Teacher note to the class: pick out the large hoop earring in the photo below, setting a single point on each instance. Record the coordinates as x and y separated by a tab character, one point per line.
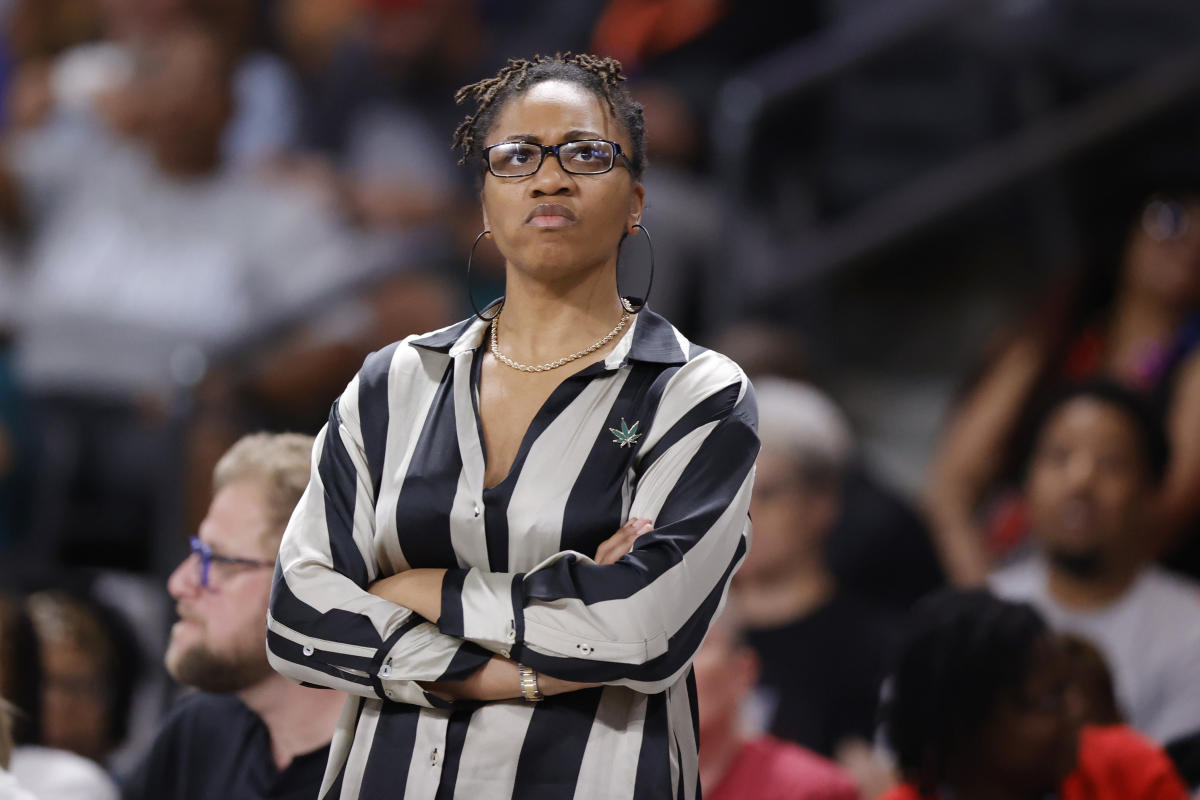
470	295
632	303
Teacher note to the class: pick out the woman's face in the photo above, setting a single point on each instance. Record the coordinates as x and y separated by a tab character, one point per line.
1163	257
555	225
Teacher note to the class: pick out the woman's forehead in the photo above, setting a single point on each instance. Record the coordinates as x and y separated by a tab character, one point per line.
547	111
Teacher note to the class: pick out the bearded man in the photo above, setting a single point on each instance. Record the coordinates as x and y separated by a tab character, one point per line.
1092	483
248	732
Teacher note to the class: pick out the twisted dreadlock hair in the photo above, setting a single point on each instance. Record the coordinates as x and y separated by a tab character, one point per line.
960	652
601	76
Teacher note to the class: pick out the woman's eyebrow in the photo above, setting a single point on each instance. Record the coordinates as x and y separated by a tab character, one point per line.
569	136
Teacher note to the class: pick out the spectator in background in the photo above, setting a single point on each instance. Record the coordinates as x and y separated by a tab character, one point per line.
100	75
248	732
1138	325
48	773
1100	458
147	262
822	649
979	706
374	111
879	548
733	765
89	669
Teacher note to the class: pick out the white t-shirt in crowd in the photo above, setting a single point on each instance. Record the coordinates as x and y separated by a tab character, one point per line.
59	775
135	277
1150	637
11	789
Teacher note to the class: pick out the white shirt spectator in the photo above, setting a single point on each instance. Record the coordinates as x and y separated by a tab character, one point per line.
48	774
135	276
11	789
1149	636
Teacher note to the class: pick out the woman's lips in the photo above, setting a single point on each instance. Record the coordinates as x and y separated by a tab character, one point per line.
550	221
550	215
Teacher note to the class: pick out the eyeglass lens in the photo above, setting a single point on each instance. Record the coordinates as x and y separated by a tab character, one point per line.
516	159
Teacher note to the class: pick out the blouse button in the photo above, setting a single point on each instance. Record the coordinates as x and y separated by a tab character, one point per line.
477	509
385	671
586	649
308	651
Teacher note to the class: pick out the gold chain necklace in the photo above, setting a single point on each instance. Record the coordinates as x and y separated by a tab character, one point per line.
549	365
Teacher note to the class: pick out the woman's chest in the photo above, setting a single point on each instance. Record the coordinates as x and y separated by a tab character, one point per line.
564	482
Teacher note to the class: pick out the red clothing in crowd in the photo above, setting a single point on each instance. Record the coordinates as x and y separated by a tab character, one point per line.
1115	763
772	769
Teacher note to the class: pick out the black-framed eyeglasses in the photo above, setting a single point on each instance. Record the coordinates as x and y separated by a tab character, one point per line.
208	558
583	157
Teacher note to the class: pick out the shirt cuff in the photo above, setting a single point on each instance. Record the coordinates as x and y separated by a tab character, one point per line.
483	607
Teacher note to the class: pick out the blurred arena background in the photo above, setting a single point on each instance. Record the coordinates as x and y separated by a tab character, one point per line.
214	209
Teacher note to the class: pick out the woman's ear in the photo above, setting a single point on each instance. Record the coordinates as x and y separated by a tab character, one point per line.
636	207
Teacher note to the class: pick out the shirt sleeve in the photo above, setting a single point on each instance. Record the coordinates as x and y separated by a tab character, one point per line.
638	622
323	627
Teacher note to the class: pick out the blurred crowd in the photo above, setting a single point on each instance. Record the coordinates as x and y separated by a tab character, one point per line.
212	210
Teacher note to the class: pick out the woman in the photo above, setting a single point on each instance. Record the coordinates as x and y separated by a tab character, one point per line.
1142	328
435	568
983	706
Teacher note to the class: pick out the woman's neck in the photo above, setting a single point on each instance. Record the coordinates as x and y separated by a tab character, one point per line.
1138	321
543	321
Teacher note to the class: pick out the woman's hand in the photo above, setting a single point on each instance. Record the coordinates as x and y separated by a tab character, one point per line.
498	679
419	590
621	542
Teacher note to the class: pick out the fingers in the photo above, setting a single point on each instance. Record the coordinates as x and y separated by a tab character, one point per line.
622	541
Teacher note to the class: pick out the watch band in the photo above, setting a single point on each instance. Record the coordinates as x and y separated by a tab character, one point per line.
529	684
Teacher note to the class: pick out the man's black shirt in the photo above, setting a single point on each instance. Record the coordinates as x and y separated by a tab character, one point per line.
821	673
212	747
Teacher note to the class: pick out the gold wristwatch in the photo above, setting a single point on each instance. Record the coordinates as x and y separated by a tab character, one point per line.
529	684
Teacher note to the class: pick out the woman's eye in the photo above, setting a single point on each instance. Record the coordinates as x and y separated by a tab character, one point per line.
513	156
587	154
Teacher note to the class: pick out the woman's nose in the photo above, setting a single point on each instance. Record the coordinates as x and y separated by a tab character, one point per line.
550	179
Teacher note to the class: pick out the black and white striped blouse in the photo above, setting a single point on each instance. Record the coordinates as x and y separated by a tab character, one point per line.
661	429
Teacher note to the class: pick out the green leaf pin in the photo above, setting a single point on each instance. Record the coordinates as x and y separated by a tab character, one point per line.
627	436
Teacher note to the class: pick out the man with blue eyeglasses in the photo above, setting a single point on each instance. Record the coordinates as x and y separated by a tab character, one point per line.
248	732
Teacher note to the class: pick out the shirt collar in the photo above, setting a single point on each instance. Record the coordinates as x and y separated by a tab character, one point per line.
652	339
